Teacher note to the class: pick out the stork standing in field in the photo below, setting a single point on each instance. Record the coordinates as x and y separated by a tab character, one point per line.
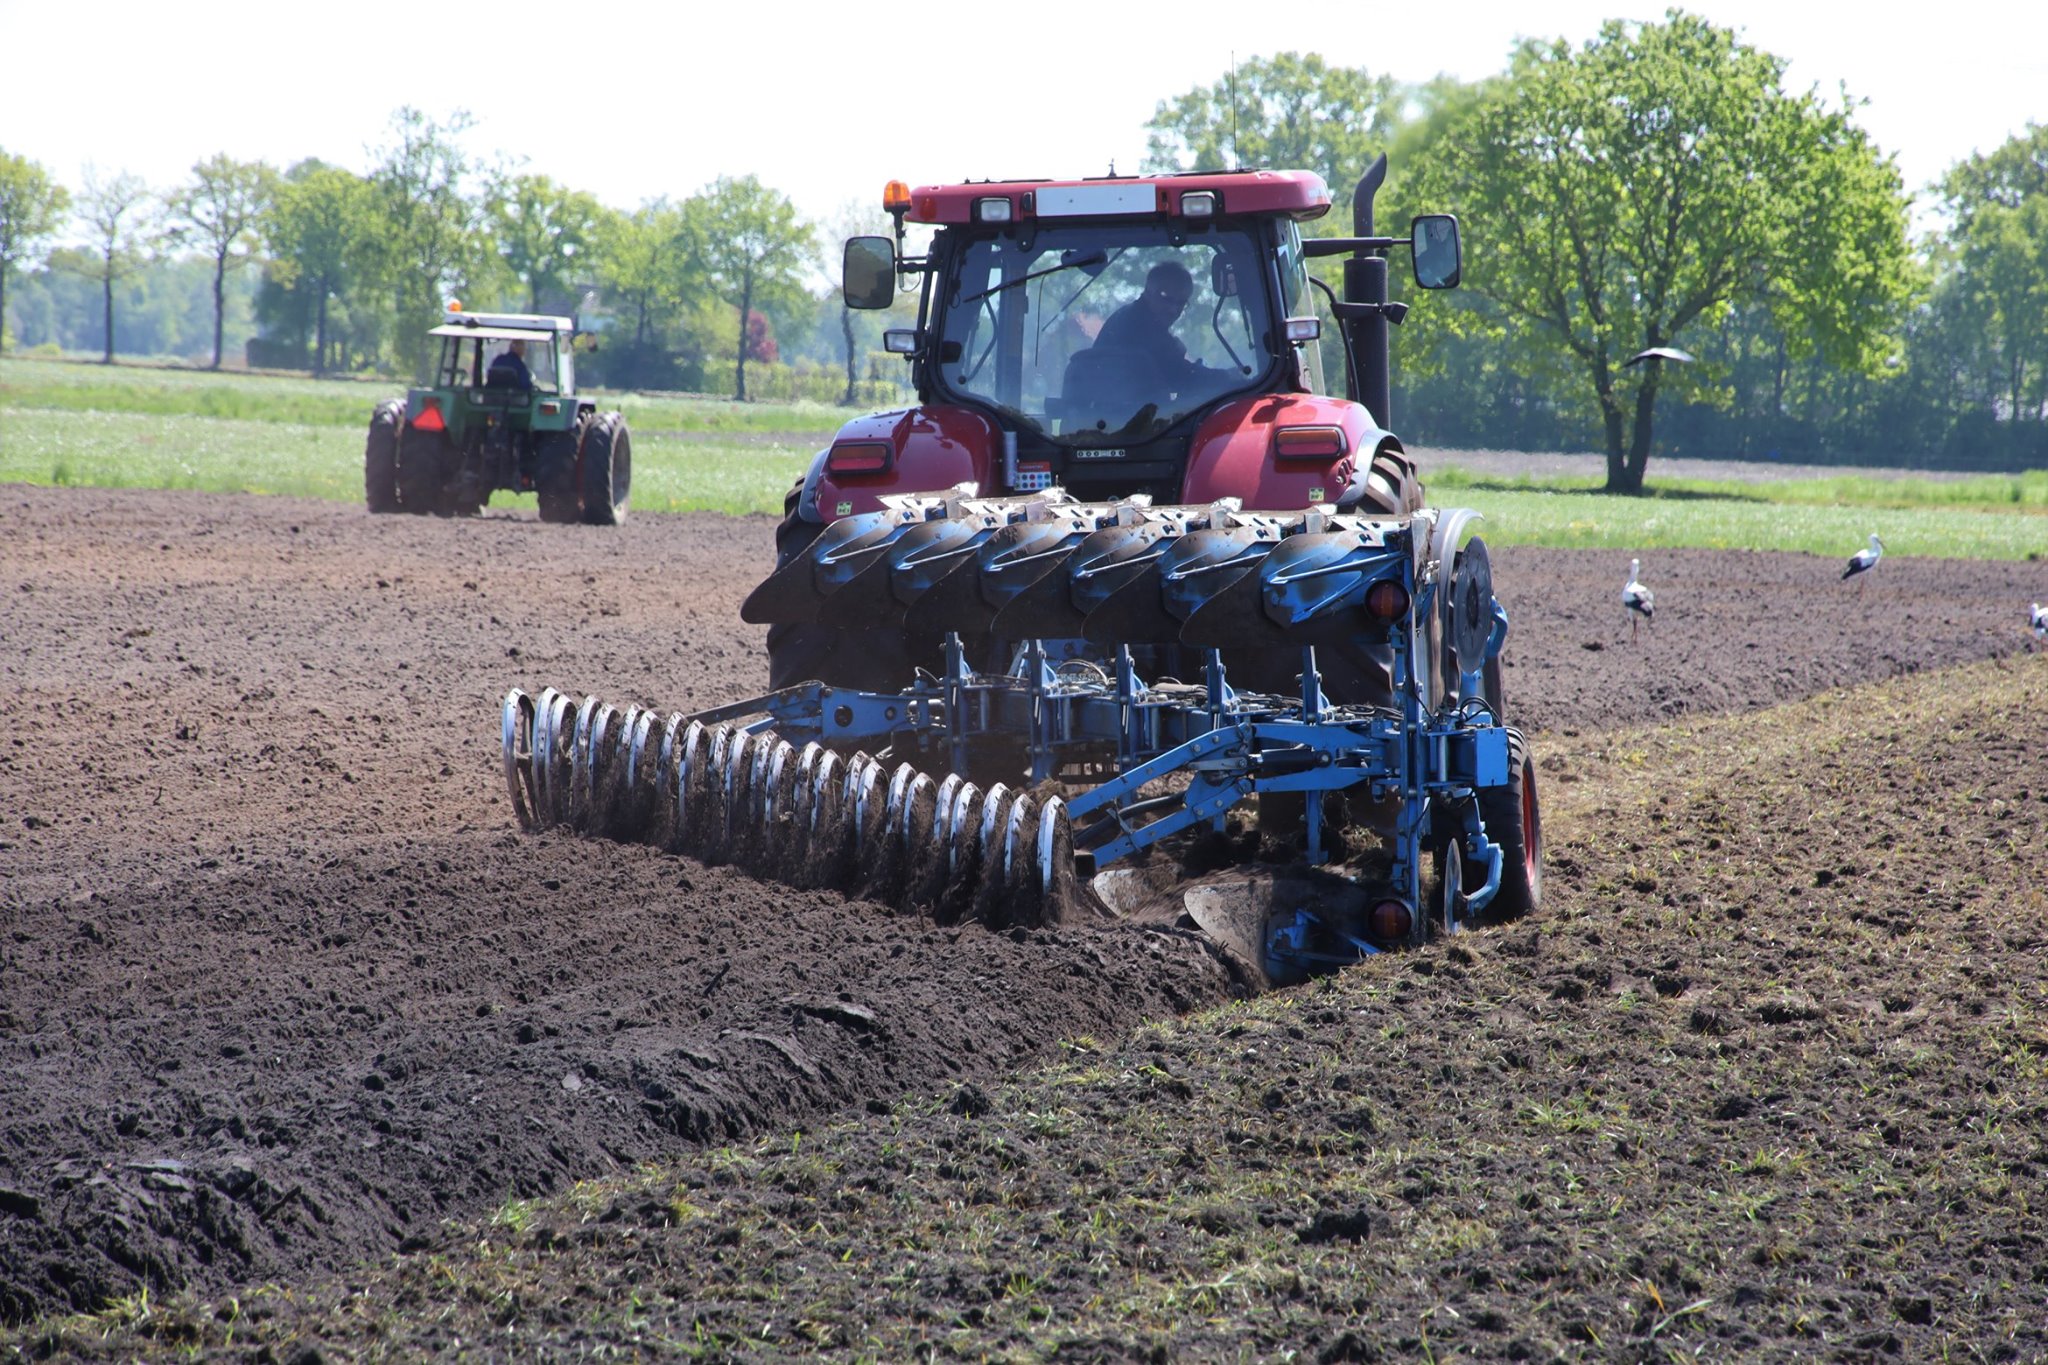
1864	560
2037	620
1639	601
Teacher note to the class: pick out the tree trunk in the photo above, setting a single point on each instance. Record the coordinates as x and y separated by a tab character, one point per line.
320	336
3	308
746	307
846	327
1646	412
220	270
107	297
1611	424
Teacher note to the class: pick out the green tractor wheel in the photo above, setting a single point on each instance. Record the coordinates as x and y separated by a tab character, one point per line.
554	476
423	476
380	456
607	470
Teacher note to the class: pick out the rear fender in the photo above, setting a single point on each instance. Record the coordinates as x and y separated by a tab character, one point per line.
930	449
1232	454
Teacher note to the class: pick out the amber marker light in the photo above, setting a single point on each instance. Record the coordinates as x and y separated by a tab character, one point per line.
860	457
1391	922
1387	600
1309	443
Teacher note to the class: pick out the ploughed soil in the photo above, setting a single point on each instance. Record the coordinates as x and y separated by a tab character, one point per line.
283	989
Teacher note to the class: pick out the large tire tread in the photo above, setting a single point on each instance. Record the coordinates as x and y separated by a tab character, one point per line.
380	456
607	470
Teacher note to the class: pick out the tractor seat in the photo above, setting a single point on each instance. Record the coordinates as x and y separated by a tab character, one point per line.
1097	387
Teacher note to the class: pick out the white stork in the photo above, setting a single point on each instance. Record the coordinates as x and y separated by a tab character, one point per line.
1639	601
1864	560
2037	620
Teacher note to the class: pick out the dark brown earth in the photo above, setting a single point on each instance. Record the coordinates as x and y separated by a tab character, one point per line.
282	988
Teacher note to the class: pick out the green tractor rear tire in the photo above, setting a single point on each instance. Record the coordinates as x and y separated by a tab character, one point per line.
607	470
380	456
423	476
554	476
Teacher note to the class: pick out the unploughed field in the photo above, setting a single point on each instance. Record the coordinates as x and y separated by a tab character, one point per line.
307	1053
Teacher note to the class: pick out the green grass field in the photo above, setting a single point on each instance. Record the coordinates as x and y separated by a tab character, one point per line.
70	423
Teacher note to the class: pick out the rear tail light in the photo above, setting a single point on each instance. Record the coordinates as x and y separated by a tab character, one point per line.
1392	922
1387	600
550	408
861	457
1309	443
430	418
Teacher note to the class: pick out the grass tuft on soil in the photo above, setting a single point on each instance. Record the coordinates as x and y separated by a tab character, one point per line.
1764	1080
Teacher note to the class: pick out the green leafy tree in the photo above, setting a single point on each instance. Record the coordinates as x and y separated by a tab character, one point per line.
32	206
221	208
754	248
1287	112
1998	204
326	233
542	231
1619	194
117	212
647	273
434	247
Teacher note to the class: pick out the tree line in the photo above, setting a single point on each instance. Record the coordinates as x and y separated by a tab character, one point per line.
337	272
1665	246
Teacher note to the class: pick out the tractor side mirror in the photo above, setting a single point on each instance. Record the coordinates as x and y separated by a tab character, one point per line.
1433	251
1223	278
868	272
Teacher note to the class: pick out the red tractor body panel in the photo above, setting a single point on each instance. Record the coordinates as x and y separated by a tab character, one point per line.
1236	454
931	448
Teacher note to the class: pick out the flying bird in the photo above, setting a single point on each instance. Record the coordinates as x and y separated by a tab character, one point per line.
1865	559
1639	600
1657	353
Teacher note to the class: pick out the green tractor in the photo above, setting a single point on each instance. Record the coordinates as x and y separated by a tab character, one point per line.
499	411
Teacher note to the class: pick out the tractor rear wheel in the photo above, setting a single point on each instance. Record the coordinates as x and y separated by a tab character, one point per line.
423	467
380	456
554	476
607	470
1514	820
881	659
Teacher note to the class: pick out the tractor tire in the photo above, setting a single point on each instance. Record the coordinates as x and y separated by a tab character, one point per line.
380	456
1393	487
554	476
423	467
607	470
883	659
1514	819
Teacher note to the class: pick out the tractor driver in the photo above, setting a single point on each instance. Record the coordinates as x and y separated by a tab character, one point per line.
1144	326
508	369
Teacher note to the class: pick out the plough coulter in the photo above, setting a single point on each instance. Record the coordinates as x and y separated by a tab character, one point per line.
1177	639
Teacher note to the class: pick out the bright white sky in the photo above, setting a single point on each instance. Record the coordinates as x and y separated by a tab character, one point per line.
826	102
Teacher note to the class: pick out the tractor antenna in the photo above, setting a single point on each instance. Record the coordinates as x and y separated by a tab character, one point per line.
1236	158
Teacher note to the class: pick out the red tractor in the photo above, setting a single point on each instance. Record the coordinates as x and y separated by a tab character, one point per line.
1146	335
1125	567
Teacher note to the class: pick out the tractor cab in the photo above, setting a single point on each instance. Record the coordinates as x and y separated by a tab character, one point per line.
1126	336
468	350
